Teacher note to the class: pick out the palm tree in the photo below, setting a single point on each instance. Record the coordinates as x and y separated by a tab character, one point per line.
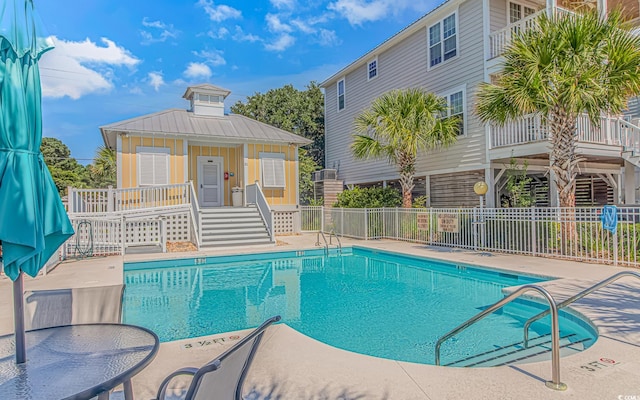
104	166
398	125
569	65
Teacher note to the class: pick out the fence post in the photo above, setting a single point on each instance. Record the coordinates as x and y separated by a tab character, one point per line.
110	207
366	224
397	233
534	236
70	202
122	234
322	217
430	239
342	220
615	248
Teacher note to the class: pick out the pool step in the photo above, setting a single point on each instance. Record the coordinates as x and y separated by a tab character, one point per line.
539	349
233	226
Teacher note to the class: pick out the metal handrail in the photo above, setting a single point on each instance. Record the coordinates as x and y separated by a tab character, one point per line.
575	298
326	244
554	383
332	233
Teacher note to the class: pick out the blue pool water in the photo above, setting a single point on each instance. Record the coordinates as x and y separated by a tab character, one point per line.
376	303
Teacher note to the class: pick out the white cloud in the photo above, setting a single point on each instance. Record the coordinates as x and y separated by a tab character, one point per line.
280	44
198	70
360	11
275	25
212	57
240	36
155	80
328	38
303	26
219	13
283	4
221	33
166	31
75	69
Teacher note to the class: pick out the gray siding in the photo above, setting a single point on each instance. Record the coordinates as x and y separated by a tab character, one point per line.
405	65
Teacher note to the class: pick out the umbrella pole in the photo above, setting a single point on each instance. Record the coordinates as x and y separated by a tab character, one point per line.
18	316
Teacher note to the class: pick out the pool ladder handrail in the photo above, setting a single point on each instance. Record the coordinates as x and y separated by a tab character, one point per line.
327	244
332	233
554	383
575	298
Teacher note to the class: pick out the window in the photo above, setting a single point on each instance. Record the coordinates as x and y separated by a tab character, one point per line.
341	94
153	166
205	98
272	170
372	69
518	11
443	41
456	107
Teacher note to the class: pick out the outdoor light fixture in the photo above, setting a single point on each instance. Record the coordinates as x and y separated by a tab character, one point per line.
481	189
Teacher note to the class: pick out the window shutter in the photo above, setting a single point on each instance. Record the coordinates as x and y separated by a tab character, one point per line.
273	170
161	169
145	168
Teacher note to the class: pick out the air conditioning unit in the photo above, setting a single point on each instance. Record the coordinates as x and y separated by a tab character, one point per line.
324	175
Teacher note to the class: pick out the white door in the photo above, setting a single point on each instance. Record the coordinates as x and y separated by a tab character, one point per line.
210	182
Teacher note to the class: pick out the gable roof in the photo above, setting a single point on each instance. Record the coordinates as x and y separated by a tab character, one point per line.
410	29
176	122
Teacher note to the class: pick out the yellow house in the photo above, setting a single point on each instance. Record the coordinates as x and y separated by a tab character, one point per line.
220	153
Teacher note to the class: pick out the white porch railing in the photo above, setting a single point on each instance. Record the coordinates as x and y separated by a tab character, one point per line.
115	200
196	215
499	40
529	231
255	196
532	128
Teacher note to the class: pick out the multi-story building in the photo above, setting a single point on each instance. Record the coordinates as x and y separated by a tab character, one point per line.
450	51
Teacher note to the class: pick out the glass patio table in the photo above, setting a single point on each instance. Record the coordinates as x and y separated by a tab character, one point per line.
75	361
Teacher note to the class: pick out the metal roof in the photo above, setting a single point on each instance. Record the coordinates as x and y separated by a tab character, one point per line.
178	122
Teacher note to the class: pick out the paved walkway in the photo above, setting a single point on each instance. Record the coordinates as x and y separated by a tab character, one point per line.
290	365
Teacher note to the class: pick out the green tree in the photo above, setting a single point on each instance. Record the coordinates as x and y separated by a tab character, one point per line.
306	166
398	125
65	170
570	65
297	111
103	170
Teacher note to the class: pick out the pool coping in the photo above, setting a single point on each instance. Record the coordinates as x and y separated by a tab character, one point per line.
294	366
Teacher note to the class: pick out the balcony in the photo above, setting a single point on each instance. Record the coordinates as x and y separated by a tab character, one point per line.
532	128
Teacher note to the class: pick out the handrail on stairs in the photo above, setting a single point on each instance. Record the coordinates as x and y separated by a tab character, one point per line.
575	298
554	383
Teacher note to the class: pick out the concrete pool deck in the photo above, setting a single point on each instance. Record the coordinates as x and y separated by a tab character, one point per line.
290	365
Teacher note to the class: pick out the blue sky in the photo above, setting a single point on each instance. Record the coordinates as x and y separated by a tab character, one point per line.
117	59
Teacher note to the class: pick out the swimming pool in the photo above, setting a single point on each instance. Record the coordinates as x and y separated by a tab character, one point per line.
377	303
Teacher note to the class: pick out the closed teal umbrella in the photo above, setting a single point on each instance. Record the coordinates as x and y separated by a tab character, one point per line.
33	222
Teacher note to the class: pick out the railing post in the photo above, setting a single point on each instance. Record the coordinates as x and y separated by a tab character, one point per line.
322	217
122	234
110	193
534	238
70	203
366	224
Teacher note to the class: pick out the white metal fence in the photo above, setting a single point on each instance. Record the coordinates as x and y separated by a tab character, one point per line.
570	233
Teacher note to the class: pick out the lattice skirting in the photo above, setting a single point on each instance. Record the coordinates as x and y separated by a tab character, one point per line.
285	222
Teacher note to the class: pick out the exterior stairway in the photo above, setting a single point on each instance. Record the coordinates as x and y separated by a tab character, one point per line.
233	226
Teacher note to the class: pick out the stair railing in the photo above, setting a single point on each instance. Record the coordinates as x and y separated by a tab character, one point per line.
575	298
332	233
196	215
554	383
255	196
324	238
629	135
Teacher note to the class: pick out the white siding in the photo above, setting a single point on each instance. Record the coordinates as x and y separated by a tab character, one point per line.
405	65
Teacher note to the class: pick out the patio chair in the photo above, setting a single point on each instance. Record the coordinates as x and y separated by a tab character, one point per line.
222	378
88	305
48	308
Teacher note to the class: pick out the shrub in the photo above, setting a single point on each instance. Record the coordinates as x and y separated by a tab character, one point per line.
373	197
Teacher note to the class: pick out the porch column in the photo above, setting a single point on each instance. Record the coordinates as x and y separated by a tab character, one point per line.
554	200
551	6
490	197
427	189
629	183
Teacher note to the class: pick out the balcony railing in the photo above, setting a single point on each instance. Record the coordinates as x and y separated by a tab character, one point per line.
532	128
501	39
